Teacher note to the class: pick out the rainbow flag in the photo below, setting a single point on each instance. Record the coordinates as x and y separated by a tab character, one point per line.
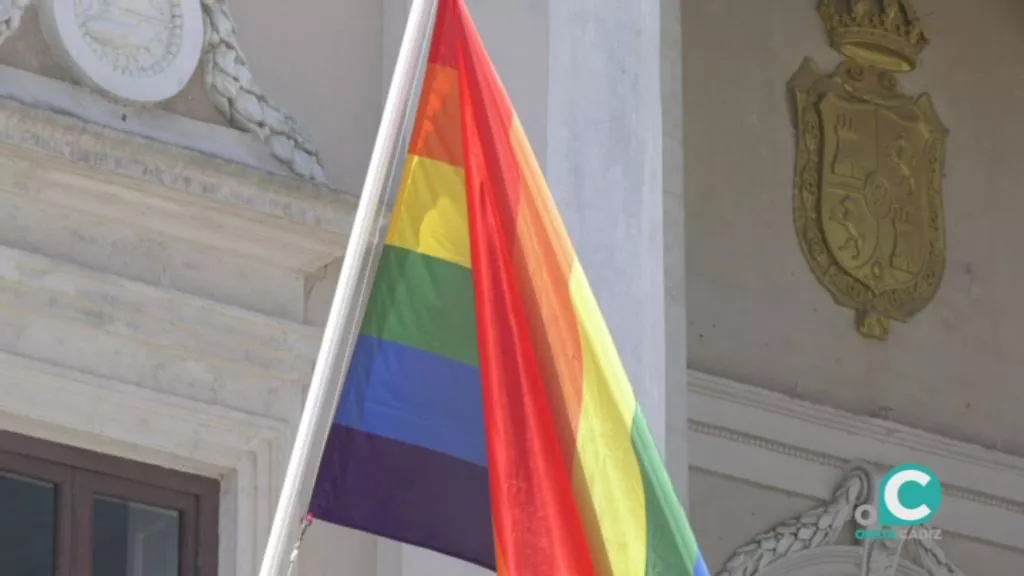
486	414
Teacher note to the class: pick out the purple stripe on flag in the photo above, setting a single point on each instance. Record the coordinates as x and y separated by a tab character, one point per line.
406	493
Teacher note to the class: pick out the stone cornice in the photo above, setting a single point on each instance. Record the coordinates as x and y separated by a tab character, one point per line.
165	216
144	205
799	447
151	337
174	167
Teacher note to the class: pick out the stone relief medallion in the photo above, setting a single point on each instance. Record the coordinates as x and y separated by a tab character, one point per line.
141	51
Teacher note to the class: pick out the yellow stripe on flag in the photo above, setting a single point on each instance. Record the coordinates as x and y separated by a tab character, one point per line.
611	476
430	213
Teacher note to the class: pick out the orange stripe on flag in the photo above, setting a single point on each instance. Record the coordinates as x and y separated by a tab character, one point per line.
544	261
438	132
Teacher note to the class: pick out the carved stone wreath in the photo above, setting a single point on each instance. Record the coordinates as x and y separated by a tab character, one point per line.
230	85
806	545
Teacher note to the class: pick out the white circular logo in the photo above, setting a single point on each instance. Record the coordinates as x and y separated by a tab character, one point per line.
141	51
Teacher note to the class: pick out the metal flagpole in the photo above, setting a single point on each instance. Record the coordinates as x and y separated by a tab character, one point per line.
342	323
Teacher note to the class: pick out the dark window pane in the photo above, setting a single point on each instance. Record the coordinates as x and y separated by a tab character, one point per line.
132	539
27	526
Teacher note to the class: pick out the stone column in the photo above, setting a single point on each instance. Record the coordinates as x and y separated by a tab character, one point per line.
604	166
677	421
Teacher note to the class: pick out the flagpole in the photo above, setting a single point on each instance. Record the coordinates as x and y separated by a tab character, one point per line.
342	323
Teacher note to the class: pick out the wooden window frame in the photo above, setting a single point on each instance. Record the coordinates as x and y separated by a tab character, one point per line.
81	475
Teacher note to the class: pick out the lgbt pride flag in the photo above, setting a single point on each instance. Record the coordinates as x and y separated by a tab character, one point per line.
486	413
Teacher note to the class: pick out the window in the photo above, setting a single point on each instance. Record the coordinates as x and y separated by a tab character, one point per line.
69	512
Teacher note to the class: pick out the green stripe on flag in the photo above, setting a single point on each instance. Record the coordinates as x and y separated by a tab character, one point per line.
671	546
423	302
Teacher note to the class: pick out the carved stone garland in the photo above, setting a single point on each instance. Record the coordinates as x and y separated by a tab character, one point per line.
230	86
820	528
10	18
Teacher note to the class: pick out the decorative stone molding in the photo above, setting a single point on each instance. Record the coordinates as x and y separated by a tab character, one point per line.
806	544
832	561
230	85
776	441
140	51
143	124
96	144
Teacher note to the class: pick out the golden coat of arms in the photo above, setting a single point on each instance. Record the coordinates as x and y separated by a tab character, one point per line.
868	196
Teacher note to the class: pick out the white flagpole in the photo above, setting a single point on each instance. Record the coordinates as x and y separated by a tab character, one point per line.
346	313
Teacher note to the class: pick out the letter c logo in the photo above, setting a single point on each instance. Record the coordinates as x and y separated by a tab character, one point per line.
892	495
911	494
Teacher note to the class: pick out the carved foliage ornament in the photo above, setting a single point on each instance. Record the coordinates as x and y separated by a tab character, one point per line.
807	545
230	85
870	159
10	16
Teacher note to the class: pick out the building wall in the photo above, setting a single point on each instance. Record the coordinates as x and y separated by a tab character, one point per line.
740	300
758	315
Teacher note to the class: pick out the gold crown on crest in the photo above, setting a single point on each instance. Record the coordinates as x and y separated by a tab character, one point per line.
883	33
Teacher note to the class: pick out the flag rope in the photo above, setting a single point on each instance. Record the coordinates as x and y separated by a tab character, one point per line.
306	522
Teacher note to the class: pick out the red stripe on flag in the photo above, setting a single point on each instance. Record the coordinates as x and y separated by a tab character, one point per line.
444	47
537	523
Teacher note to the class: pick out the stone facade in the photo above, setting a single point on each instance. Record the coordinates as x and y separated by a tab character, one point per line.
164	276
